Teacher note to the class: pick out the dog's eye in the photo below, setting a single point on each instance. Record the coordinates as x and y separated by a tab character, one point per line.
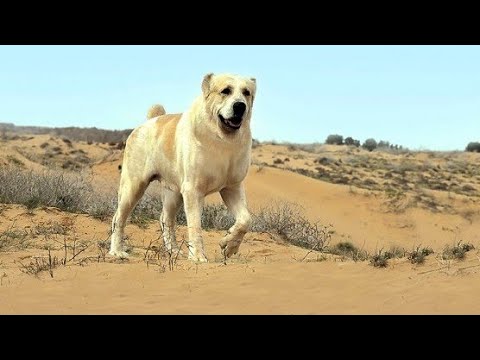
246	92
226	91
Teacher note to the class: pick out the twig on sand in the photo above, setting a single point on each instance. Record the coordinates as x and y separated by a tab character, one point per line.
429	271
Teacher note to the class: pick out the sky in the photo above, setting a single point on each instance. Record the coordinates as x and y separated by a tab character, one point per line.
421	97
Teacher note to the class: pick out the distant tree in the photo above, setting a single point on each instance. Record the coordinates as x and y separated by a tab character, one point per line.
383	144
473	147
370	144
356	143
349	140
334	139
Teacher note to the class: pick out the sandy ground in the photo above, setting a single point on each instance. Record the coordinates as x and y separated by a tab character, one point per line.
266	277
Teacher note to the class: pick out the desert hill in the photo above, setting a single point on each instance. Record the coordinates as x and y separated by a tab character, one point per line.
395	202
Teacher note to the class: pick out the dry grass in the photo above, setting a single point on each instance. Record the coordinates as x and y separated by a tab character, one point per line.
380	259
346	250
73	193
71	133
287	220
457	251
39	264
13	239
411	179
417	256
65	191
14	161
161	257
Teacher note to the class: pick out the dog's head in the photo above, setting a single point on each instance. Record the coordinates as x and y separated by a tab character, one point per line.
229	100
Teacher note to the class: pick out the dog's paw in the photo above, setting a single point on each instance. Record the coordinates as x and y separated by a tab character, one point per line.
229	248
119	254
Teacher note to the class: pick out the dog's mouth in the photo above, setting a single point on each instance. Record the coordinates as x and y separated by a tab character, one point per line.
232	123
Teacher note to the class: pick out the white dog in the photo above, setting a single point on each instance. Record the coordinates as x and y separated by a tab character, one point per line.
202	151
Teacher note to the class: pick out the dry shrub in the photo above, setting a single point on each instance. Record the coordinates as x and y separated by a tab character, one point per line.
287	220
67	192
73	193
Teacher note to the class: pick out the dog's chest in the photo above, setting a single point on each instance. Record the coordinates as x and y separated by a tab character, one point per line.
221	171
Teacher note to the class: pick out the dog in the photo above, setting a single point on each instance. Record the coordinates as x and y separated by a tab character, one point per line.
204	150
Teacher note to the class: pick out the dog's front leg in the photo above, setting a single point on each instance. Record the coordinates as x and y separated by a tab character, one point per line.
234	198
193	202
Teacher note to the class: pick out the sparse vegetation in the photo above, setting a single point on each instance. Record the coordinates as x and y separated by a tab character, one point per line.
395	252
52	228
148	209
103	207
72	133
417	256
400	179
456	251
404	176
396	200
67	141
13	238
66	192
323	161
40	263
13	160
213	217
347	250
71	251
380	259
74	194
287	221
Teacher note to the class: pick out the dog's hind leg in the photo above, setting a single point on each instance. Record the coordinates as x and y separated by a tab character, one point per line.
172	201
130	191
236	202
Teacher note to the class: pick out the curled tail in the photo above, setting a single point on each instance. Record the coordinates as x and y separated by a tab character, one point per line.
155	110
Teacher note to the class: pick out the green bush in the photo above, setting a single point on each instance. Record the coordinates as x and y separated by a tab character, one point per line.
334	139
349	141
383	144
473	147
370	144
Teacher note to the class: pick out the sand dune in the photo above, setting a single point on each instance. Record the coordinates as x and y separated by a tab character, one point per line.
268	276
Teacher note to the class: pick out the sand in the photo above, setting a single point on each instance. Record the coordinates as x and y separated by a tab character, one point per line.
268	276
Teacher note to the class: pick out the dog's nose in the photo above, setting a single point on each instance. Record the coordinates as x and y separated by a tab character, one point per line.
239	109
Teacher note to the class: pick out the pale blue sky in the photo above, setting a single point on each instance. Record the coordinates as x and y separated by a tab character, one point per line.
416	96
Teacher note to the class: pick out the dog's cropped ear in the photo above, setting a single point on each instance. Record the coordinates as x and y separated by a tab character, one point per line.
206	84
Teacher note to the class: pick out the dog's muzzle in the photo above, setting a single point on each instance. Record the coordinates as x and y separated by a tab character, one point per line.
232	123
235	121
